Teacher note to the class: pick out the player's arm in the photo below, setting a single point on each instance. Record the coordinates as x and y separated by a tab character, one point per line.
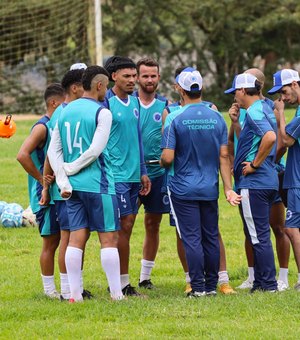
97	146
145	181
48	179
287	140
55	156
168	145
35	140
163	119
265	147
167	157
225	169
231	145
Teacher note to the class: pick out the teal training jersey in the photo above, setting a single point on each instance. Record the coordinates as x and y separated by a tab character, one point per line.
38	157
151	124
124	140
54	192
77	126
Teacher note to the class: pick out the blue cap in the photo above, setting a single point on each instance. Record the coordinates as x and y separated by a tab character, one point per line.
282	78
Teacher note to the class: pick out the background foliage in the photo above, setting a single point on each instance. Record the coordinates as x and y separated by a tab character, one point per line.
42	38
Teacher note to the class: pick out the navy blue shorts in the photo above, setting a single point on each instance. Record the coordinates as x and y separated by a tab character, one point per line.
47	221
127	195
62	214
97	212
156	201
292	219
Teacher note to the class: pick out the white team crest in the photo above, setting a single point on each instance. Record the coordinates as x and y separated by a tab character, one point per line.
136	113
157	117
166	200
289	215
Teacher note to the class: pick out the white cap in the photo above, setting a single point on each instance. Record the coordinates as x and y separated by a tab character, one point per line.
78	66
189	77
242	81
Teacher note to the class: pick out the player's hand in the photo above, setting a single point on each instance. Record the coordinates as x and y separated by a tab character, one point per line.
234	112
233	198
49	179
66	194
45	198
279	105
146	185
247	169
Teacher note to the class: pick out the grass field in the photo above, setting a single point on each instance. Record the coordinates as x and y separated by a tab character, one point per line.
26	314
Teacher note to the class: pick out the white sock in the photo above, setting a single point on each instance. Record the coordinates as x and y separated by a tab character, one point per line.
146	269
111	264
73	263
283	275
298	277
124	280
81	281
64	286
187	277
223	277
48	284
251	274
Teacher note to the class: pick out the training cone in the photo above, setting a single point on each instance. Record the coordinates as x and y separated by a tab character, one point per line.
7	127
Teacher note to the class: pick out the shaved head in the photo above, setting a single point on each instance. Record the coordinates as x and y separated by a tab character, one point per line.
258	74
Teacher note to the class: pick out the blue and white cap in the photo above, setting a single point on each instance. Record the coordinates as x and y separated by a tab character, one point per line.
78	66
242	81
189	79
282	78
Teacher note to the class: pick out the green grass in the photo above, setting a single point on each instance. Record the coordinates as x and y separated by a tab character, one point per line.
166	313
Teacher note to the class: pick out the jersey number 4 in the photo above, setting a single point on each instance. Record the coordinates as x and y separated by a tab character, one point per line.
77	142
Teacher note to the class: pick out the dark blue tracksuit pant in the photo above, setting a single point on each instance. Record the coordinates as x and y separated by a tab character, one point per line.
197	222
255	212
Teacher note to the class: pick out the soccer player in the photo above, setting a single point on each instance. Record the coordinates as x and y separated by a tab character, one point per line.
237	116
224	286
287	84
196	143
72	85
255	176
156	202
32	156
92	205
126	152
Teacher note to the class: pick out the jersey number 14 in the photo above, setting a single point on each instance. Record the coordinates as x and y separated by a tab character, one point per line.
77	142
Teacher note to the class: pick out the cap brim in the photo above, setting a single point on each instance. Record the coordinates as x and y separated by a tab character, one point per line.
275	89
232	89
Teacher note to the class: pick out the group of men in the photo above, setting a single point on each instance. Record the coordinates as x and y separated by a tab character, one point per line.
107	154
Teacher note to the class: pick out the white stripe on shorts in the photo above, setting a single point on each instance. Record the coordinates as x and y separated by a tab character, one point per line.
248	216
173	212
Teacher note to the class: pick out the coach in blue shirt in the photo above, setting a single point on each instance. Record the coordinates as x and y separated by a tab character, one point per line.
196	141
255	175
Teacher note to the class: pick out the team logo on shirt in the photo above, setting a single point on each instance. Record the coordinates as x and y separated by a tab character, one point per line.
289	215
136	113
157	117
166	200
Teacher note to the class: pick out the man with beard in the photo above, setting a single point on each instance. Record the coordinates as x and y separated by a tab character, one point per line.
156	203
126	153
287	83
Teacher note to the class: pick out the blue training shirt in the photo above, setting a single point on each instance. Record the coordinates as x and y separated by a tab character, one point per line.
151	124
125	141
259	120
196	134
292	171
